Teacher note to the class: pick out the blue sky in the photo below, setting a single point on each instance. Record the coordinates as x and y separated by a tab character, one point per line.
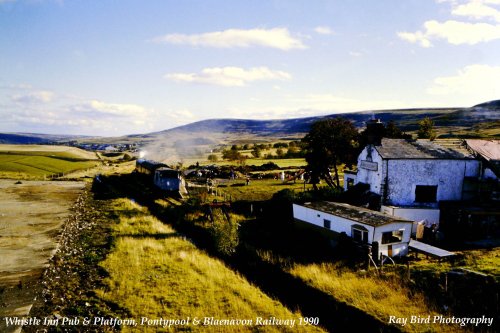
121	67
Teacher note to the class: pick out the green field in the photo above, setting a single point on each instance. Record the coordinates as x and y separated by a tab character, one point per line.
257	190
39	162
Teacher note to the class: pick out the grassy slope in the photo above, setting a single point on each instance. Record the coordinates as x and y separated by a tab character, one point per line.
482	260
156	273
381	297
36	162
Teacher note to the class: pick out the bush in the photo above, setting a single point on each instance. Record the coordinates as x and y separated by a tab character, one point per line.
224	231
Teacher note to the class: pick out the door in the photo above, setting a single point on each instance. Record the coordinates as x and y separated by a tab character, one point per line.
389	250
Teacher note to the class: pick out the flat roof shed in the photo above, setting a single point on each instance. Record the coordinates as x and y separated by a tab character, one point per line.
354	213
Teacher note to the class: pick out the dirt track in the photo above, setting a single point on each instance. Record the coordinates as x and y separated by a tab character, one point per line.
31	216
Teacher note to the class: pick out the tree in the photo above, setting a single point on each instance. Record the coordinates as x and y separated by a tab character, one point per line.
329	143
280	145
426	129
292	151
280	153
231	154
256	152
213	158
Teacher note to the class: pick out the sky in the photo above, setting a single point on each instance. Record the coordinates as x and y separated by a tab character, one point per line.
108	68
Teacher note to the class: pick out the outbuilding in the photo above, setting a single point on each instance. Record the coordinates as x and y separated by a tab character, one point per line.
391	234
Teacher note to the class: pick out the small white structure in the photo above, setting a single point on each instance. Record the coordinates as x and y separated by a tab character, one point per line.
110	149
413	176
363	225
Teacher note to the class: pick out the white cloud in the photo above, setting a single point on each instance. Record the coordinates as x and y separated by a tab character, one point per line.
41	96
182	115
477	9
454	32
478	82
416	37
230	76
279	38
460	32
355	54
324	30
113	109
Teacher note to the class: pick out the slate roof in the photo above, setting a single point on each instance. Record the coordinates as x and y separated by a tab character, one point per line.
419	149
354	213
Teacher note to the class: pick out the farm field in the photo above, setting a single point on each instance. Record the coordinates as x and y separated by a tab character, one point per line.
31	216
258	189
39	161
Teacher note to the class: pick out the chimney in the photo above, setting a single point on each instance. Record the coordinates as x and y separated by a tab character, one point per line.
375	131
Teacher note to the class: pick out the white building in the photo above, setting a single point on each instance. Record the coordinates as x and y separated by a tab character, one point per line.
412	177
363	225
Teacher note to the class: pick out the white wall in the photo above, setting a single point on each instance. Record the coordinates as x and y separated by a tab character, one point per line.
448	175
348	176
398	249
413	214
338	224
371	177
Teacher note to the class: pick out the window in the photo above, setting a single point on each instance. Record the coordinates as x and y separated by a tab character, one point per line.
426	193
327	224
359	234
395	236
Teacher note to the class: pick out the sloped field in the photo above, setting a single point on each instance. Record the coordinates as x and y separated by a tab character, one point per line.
38	162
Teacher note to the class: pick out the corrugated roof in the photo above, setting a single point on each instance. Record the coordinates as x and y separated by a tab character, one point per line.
420	149
354	213
489	149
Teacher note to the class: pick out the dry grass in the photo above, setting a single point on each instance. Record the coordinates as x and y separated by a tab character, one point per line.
378	296
481	260
156	273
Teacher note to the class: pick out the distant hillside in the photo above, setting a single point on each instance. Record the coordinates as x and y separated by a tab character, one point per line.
202	136
407	118
489	105
34	138
482	120
21	139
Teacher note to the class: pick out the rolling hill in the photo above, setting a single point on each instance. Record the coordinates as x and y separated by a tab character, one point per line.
34	138
199	137
482	120
407	119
